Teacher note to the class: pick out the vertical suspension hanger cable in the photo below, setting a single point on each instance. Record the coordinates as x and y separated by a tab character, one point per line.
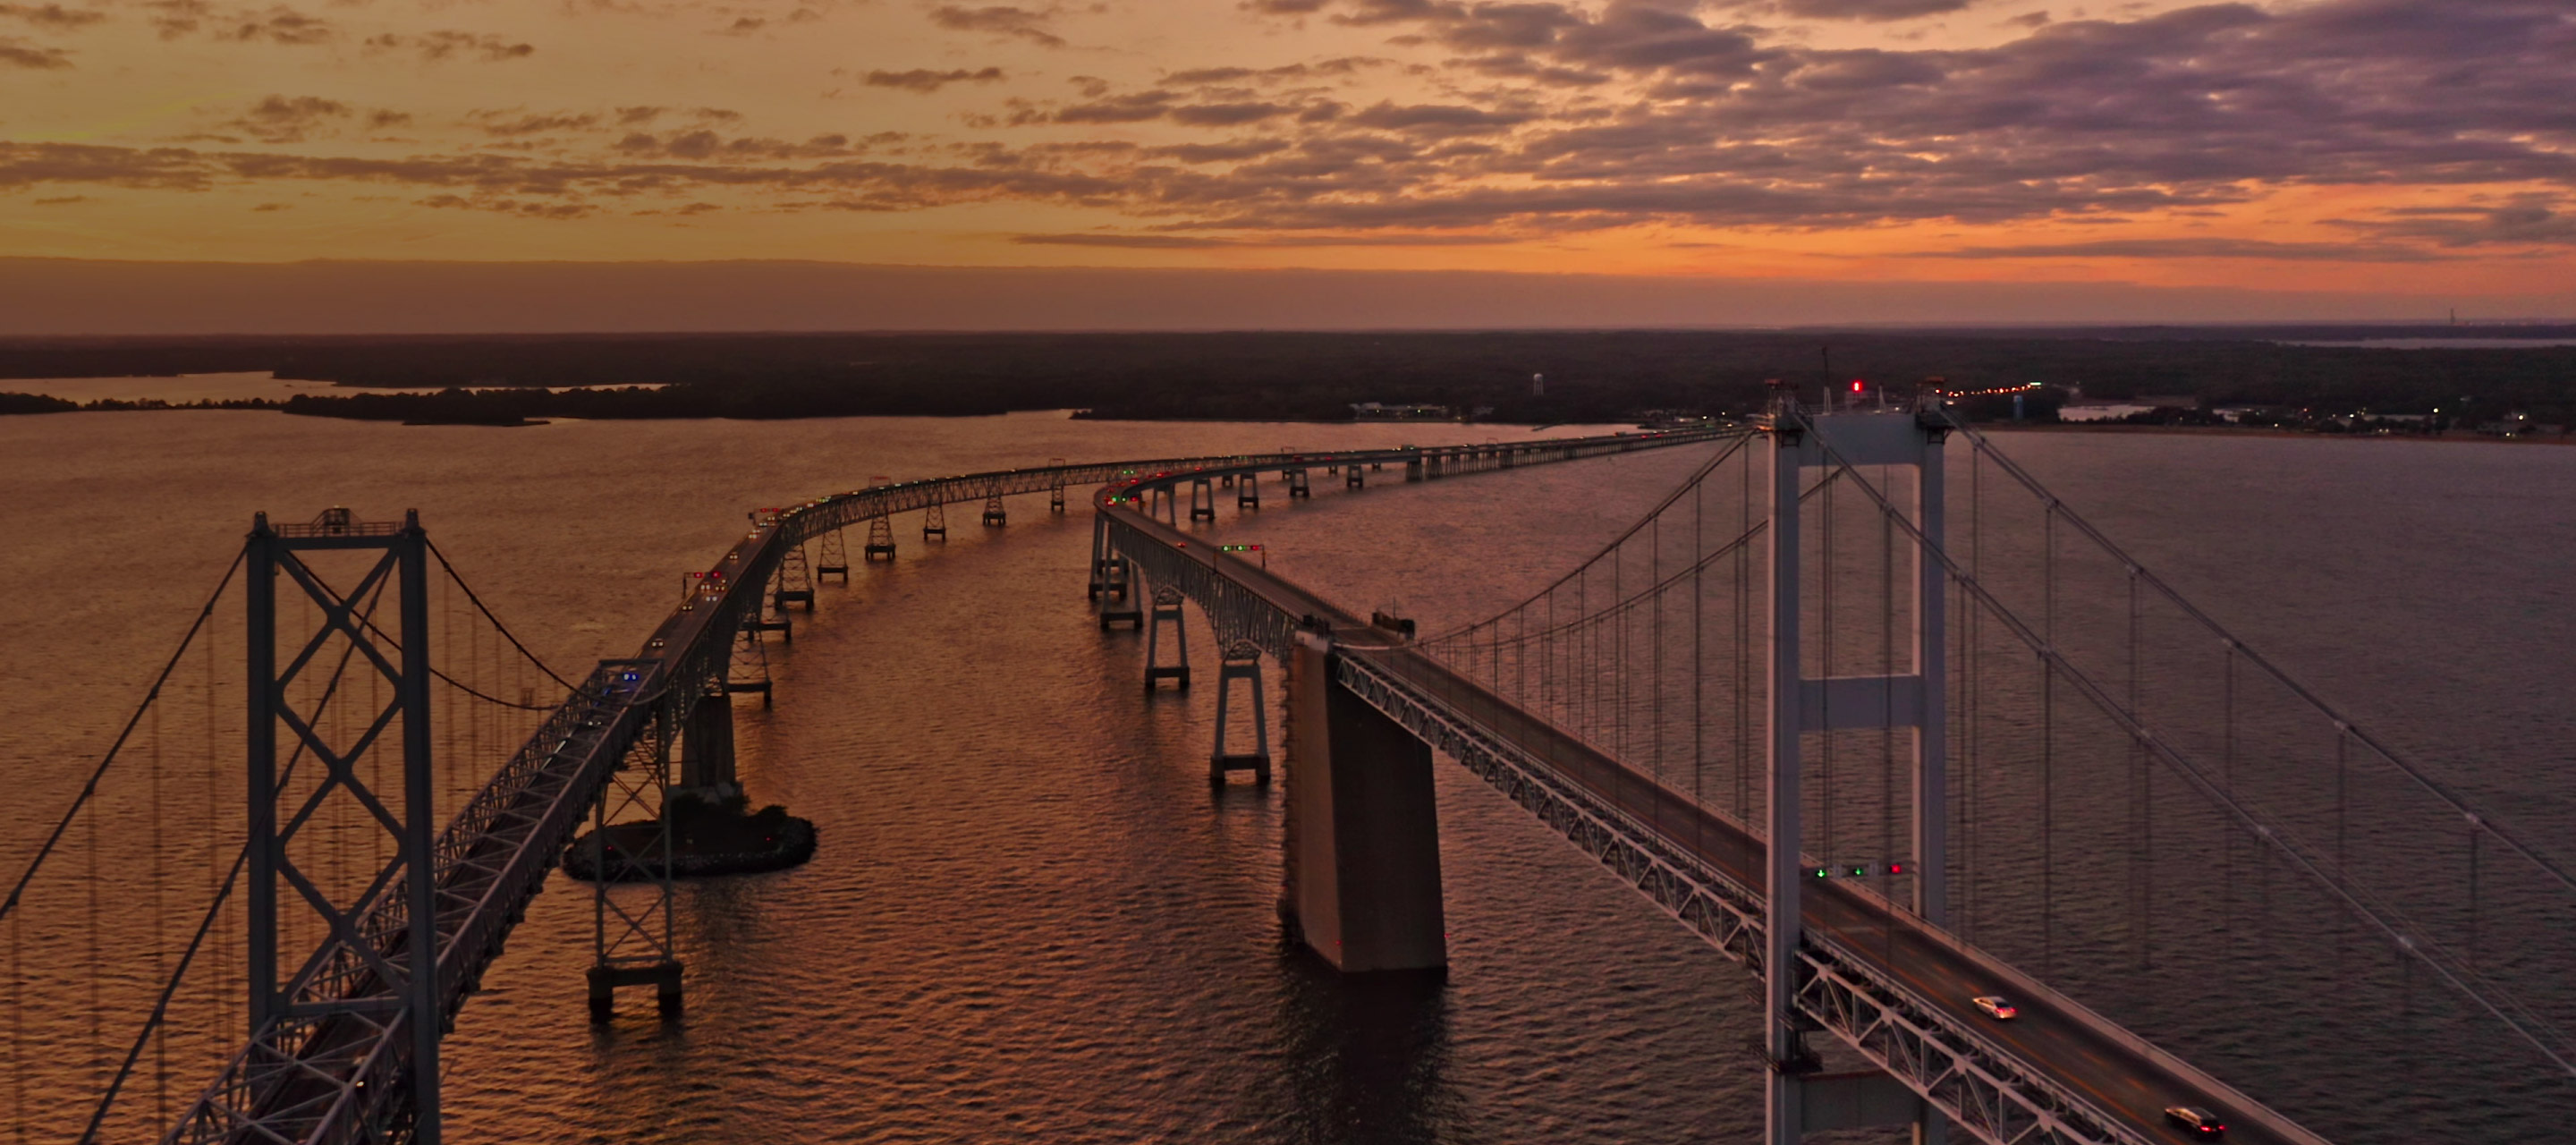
1825	667
2048	746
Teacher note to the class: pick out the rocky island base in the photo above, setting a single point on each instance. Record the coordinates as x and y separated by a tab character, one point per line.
708	838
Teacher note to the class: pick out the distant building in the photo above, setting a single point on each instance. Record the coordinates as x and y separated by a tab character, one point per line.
2081	408
1380	411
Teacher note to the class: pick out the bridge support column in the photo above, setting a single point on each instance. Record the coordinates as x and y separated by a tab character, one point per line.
1167	610
1247	492
1202	499
1784	1045
880	541
1364	838
706	745
1299	489
1240	661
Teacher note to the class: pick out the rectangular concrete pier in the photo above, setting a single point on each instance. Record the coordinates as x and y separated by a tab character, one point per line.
1364	840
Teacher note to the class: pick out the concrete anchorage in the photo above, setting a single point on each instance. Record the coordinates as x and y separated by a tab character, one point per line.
1202	499
1241	660
1363	862
1167	610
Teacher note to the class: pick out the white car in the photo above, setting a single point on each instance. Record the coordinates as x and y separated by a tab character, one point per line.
1995	1007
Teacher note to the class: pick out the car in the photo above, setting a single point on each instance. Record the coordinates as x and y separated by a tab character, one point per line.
2199	1122
1995	1007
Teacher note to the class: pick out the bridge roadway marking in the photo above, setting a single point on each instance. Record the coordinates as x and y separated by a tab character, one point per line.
2125	1085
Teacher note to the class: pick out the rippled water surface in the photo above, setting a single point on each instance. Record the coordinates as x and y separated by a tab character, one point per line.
1032	919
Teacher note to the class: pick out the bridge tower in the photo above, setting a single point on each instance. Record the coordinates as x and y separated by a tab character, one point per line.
383	971
1800	705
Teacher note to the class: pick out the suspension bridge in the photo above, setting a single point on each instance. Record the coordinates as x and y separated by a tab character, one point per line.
1847	732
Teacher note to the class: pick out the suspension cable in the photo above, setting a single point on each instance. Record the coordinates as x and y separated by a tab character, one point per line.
503	629
204	613
2539	1032
2435	787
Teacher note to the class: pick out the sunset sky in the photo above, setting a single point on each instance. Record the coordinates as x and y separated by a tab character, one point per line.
2402	147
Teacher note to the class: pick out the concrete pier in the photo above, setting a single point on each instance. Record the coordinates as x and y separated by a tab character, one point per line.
1364	841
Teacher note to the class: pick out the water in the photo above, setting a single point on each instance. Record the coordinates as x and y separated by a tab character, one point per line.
1031	919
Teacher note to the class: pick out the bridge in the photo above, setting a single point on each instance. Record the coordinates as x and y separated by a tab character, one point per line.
1781	621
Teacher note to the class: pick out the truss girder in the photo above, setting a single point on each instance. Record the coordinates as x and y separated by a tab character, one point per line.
1950	1065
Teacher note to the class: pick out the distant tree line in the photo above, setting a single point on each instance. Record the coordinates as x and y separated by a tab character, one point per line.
1590	376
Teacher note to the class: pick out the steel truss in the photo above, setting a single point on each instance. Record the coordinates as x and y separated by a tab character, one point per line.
1950	1066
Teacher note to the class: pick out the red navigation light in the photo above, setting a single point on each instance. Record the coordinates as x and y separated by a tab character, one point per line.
1856	385
1896	868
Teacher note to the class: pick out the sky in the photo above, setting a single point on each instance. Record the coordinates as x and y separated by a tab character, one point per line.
2364	156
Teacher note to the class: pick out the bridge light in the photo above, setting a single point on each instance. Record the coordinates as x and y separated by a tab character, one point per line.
1896	868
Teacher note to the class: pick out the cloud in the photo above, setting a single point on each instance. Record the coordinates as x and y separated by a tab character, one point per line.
1870	9
1000	20
1204	242
445	45
52	17
62	200
511	124
284	119
2194	248
2527	220
279	25
925	80
16	53
1696	123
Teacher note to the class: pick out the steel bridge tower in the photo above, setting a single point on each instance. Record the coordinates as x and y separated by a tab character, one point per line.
381	965
1879	435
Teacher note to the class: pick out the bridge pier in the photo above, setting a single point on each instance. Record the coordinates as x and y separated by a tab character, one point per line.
1247	492
934	522
994	515
880	541
706	745
834	557
1298	488
1241	661
1202	500
1167	610
1364	838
